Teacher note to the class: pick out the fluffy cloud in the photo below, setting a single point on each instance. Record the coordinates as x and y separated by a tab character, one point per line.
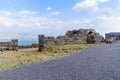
49	8
6	21
105	24
55	13
30	24
104	21
106	11
101	24
5	13
6	37
25	13
88	6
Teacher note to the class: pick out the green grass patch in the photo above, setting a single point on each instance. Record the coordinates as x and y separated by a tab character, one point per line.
18	65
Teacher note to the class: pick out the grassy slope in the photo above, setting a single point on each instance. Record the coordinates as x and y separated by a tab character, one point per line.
11	59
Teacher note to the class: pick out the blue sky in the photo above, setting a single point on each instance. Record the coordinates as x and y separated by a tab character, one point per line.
25	19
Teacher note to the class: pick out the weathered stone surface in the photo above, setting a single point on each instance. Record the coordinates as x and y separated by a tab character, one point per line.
12	45
72	37
41	42
82	35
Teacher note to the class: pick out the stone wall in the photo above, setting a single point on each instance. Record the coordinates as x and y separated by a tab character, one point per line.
11	45
72	37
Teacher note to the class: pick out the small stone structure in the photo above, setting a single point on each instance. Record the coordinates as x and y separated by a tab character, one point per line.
115	35
71	37
41	42
12	45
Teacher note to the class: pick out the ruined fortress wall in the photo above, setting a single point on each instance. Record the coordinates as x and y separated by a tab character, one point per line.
5	44
71	37
12	45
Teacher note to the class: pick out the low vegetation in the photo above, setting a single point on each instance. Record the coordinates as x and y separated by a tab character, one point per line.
12	59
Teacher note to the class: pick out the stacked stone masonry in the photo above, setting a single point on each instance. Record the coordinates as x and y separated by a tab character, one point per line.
11	45
72	37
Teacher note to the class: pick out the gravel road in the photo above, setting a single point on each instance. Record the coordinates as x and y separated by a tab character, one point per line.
95	63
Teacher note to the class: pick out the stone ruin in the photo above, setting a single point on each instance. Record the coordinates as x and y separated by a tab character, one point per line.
41	42
11	45
71	37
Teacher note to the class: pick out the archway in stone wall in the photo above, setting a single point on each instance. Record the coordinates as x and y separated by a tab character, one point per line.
91	37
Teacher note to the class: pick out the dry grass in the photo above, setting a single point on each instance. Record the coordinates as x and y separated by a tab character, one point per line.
12	59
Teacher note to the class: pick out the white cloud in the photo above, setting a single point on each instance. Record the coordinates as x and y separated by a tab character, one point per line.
5	13
17	26
6	36
86	7
106	23
49	8
31	24
55	13
6	21
26	12
103	0
106	11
